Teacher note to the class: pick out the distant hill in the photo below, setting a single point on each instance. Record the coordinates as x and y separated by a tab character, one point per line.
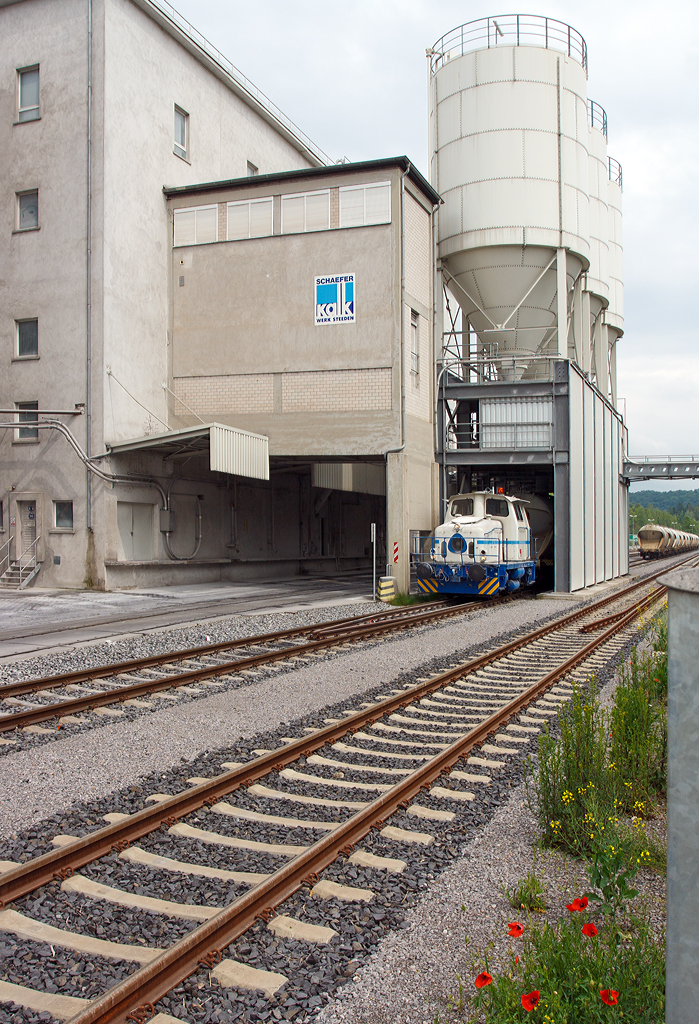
666	501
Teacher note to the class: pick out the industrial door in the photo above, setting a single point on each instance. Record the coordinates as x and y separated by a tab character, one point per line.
135	527
27	532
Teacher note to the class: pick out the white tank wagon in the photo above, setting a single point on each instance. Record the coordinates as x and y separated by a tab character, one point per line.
657	541
485	546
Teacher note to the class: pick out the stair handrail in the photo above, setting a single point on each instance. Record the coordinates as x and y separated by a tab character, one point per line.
18	561
5	556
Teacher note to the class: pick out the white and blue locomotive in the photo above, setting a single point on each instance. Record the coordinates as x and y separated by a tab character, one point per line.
484	547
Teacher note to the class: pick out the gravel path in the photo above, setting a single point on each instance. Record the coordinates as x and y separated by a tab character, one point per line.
414	974
48	779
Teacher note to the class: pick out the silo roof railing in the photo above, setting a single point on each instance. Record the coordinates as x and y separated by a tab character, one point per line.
597	117
508	30
615	172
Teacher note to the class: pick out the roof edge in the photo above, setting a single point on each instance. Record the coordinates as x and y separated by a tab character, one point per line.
311	172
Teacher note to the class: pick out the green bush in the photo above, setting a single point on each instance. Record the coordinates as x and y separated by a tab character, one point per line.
569	970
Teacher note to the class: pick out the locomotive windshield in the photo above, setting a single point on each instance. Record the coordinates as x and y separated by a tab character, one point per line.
462	507
497	507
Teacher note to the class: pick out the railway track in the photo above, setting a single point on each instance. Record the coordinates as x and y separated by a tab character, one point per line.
409	756
58	701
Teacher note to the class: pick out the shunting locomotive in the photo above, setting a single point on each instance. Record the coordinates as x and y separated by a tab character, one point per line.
484	547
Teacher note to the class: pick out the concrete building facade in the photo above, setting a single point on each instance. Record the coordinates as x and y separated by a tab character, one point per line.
107	102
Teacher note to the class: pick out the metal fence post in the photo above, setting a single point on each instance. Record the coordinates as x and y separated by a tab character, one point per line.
373	544
682	797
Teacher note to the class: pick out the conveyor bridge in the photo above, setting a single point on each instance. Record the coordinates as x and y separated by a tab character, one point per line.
673	467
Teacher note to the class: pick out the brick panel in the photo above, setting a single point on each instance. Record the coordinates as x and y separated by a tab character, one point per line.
336	390
236	393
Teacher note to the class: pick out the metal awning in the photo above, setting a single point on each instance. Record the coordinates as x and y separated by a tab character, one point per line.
230	450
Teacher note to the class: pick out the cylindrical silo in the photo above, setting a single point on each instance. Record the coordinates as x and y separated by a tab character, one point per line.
509	133
614	315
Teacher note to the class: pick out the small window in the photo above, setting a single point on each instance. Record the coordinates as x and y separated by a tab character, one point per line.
252	170
28	94
497	507
27	338
63	515
309	212
250	219
27	412
462	507
196	226
519	513
27	210
365	204
181	132
414	343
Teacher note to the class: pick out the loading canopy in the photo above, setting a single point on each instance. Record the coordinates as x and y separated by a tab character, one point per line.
230	450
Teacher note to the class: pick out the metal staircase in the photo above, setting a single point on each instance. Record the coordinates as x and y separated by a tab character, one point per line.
17	573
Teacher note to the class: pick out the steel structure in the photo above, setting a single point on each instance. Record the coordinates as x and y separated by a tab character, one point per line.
529	263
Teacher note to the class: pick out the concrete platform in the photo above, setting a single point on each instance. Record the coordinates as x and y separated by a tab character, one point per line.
38	620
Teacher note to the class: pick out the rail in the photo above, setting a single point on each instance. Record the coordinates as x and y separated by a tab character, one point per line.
494	369
615	172
217	57
508	30
597	117
533	434
5	556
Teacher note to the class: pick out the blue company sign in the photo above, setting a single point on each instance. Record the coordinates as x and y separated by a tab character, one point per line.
335	299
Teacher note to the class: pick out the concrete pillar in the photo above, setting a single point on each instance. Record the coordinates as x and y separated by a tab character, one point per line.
586	364
601	354
682	1006
397	519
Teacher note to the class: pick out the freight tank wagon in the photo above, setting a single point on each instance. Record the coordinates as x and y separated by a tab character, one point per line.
658	541
484	547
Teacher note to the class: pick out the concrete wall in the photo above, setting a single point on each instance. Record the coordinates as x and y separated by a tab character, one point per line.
139	73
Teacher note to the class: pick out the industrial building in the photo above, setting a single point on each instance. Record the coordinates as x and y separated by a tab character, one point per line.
227	356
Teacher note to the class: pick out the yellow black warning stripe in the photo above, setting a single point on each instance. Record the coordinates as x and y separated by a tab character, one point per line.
428	586
488	586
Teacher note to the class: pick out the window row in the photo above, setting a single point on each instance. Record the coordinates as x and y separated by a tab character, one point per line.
359	206
62	515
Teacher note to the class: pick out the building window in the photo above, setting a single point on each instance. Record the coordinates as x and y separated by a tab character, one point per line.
27	338
27	412
27	210
365	204
252	170
63	515
307	212
251	219
181	132
196	226
415	344
28	94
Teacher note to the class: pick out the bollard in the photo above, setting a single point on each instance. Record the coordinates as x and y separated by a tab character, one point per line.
682	1006
387	588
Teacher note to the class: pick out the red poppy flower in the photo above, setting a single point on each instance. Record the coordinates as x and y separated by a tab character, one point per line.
517	959
483	979
516	929
530	1000
589	930
609	996
578	904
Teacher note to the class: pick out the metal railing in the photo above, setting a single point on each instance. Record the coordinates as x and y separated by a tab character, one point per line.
597	117
615	172
27	561
508	436
5	556
495	369
508	30
215	55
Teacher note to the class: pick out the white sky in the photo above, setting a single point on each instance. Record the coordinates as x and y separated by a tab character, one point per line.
354	78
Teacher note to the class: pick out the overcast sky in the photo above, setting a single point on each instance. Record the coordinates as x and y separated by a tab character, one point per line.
353	76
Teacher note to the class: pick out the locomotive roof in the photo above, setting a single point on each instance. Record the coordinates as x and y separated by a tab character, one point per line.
489	494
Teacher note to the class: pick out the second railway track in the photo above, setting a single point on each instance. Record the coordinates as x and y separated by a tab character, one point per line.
408	756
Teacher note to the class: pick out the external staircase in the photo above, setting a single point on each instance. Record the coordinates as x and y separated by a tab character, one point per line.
17	573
